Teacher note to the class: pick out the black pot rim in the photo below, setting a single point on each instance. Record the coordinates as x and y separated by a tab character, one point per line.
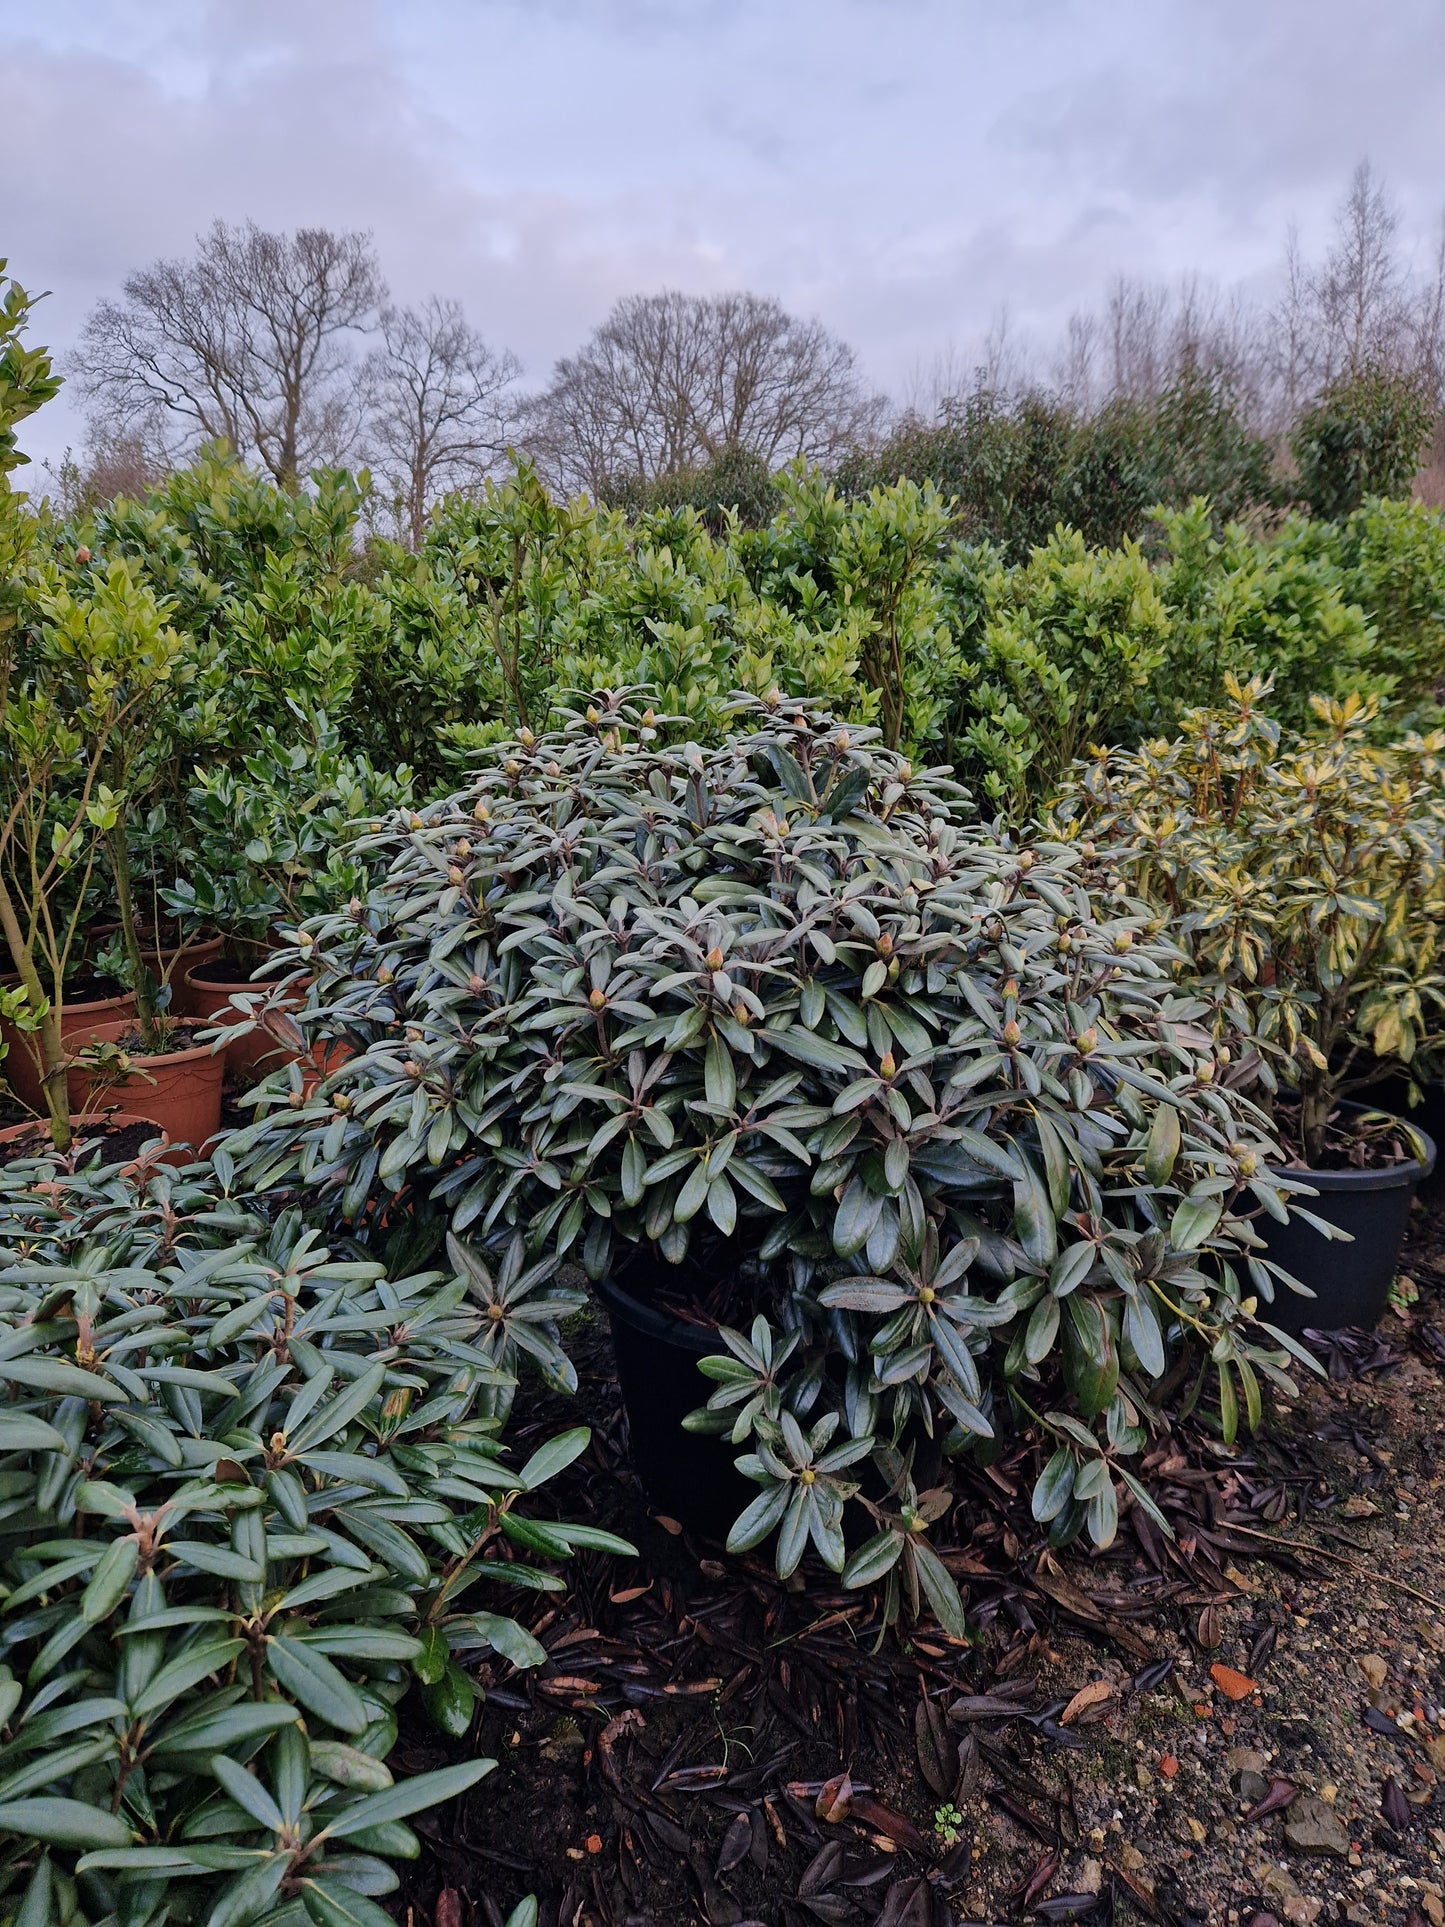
1382	1177
655	1322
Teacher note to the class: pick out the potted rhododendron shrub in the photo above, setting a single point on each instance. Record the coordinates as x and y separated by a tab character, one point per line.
1305	876
898	1124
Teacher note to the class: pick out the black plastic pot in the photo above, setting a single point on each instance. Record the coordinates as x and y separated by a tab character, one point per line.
689	1476
1351	1281
1392	1093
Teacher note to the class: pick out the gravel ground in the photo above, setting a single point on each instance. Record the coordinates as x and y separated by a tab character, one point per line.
1345	1711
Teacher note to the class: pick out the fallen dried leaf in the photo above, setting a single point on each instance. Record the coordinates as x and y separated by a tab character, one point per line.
836	1799
1094	1694
1234	1686
1281	1794
1393	1805
1373	1668
449	1908
736	1843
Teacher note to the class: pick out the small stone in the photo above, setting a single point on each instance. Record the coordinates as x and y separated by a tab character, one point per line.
1197	1830
1131	1860
1274	1880
1252	1787
1245	1759
1434	1907
1302	1910
1373	1668
1313	1826
1091	1877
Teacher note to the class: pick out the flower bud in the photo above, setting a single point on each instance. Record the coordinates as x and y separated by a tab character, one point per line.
480	811
714	959
341	1102
464	850
1123	940
592	715
1086	1040
384	973
1205	1073
886	1066
885	944
648	718
512	768
476	985
525	737
411	1067
741	1013
82	555
1026	859
456	877
354	909
597	999
1011	1033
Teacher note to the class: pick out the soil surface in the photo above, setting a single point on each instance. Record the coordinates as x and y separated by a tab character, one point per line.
1243	1726
113	1144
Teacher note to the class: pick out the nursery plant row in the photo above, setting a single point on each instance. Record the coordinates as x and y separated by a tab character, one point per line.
934	1005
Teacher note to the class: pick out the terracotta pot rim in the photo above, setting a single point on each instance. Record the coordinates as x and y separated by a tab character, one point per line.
191	1054
229	983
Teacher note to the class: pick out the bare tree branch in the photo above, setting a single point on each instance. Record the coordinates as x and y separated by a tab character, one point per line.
439	417
254	339
672	381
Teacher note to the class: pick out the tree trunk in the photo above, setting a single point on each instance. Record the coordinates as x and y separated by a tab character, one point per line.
52	1048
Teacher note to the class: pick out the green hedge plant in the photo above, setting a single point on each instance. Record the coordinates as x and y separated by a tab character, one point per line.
249	1499
778	1011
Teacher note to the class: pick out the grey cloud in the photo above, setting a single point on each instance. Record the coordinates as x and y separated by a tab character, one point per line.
902	168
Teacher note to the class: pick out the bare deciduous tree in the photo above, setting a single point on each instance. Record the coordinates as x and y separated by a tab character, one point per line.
252	339
670	382
438	404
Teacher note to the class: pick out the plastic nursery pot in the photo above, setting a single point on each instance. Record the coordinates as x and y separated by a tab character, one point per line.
1392	1093
690	1476
32	1138
1351	1281
208	989
179	1089
78	1021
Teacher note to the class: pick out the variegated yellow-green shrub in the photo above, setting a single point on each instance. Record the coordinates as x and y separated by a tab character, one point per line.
1304	874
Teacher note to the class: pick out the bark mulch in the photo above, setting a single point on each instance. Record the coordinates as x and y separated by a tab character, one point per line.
1241	1725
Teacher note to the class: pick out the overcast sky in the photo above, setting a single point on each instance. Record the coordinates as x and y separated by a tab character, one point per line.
901	168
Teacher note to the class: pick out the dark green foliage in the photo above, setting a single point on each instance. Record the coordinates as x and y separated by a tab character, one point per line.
1363	435
252	1490
737	484
1019	466
778	1005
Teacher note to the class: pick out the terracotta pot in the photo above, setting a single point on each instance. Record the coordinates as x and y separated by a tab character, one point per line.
180	1089
263	1049
118	1120
78	1021
173	967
